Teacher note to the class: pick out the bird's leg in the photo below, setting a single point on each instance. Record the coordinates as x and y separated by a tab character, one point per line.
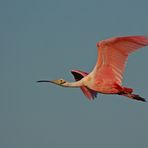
134	96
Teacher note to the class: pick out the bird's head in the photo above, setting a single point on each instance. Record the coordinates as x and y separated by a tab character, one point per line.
59	82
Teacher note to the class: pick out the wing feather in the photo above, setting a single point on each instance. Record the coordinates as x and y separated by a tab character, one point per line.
113	54
78	75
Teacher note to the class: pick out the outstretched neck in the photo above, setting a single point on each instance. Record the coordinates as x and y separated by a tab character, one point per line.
73	84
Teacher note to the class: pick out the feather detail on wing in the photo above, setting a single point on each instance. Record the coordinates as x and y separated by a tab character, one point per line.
78	75
113	54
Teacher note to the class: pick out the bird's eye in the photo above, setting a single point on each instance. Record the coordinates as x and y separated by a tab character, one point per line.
62	81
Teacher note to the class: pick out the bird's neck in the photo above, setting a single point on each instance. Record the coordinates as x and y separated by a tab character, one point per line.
73	84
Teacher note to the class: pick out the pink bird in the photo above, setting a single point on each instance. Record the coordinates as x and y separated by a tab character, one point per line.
107	75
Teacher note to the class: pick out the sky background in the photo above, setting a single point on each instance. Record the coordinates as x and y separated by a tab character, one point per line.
45	39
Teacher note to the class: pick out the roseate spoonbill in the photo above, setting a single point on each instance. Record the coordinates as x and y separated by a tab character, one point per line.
107	75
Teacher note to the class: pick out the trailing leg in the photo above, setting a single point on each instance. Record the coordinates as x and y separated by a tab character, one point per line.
134	96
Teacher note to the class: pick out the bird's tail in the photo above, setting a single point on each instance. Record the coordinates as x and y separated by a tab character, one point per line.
135	97
127	92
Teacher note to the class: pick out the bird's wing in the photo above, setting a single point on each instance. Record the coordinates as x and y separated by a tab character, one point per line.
113	54
78	75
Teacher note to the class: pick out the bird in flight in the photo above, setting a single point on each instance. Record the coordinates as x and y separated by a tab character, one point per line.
107	75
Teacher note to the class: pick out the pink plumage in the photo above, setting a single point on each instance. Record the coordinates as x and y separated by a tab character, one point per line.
108	71
107	75
113	53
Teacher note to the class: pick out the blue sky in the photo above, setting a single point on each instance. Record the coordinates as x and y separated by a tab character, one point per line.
45	40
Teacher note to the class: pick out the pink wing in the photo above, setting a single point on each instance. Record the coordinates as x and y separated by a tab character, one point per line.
78	75
113	54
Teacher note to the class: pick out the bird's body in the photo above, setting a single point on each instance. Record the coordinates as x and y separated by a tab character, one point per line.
107	75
